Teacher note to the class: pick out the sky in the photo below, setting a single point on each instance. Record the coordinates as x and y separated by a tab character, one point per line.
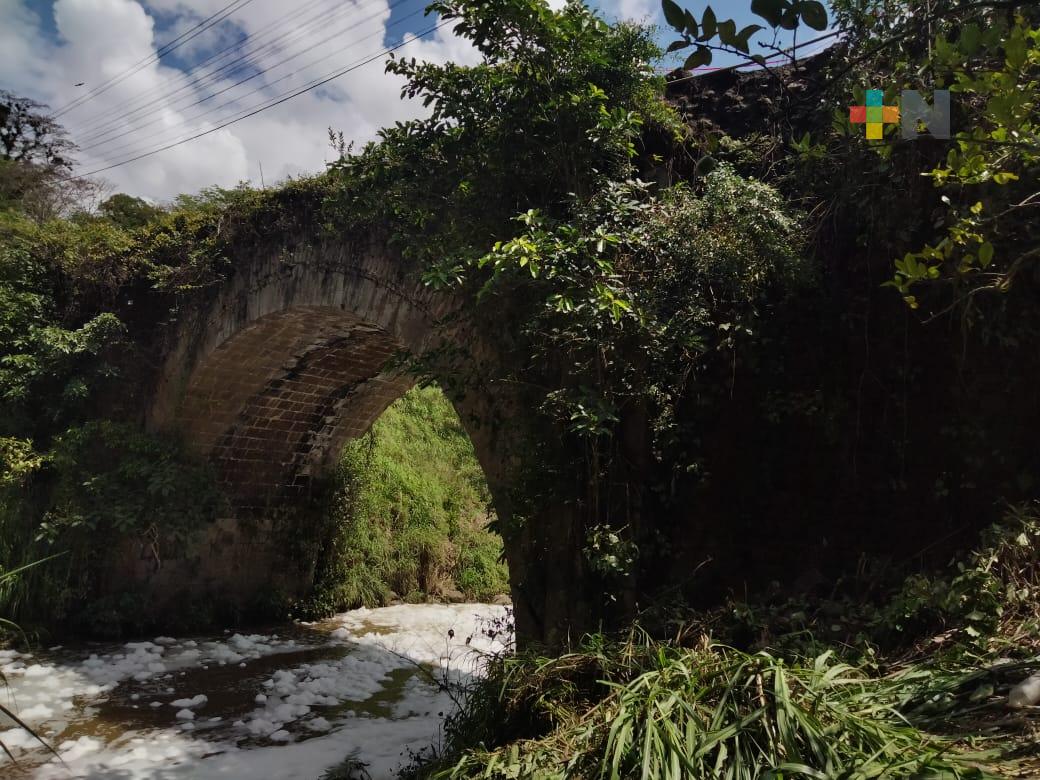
58	51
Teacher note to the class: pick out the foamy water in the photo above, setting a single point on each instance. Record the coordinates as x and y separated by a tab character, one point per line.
371	683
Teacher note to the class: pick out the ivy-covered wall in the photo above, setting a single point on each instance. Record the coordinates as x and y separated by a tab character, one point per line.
865	429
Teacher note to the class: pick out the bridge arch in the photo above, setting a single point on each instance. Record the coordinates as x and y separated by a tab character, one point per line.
269	374
270	371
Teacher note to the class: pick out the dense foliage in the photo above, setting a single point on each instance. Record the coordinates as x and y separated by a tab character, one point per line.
890	419
652	294
988	56
587	291
79	479
555	109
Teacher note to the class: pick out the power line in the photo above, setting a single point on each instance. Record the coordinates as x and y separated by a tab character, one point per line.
697	72
167	101
106	137
105	118
215	111
262	108
176	43
104	121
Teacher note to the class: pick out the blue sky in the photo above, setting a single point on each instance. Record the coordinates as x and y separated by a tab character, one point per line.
48	47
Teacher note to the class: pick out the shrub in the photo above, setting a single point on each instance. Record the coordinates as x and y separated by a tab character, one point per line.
801	703
990	596
101	484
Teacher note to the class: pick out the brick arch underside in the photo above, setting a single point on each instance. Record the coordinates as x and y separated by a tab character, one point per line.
272	406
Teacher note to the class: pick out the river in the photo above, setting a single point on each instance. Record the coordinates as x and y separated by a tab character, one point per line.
372	684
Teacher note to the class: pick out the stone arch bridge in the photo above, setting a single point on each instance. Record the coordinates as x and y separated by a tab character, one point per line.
269	374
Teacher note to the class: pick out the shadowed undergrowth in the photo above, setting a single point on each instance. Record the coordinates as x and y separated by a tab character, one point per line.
915	686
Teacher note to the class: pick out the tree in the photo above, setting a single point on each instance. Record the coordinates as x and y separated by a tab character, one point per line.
129	212
712	34
36	163
29	135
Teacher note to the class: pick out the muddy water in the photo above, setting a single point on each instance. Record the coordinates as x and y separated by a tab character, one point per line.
288	703
230	691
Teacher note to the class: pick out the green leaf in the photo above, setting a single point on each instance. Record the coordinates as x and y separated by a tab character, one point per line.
676	45
770	10
709	25
702	56
813	14
1015	49
971	37
986	254
748	31
1004	177
674	14
742	39
691	23
728	32
789	20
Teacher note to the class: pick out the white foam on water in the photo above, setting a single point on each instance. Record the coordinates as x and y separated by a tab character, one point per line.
307	717
195	701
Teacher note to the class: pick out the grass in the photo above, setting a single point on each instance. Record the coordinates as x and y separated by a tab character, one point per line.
655	711
410	513
915	687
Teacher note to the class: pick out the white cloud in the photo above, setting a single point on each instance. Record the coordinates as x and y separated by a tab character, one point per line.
633	10
100	39
19	60
637	10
